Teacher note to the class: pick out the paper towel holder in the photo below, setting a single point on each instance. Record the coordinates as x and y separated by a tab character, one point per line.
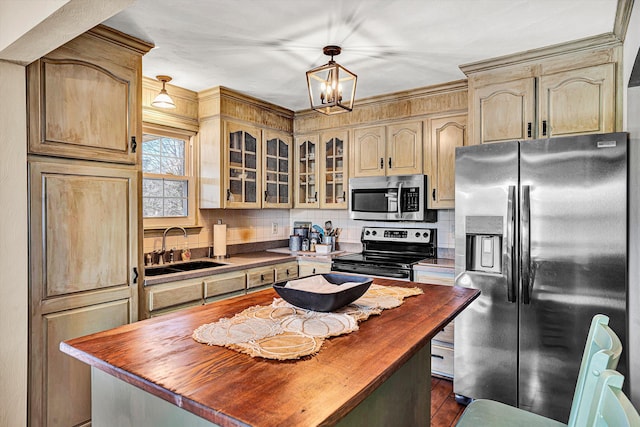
219	240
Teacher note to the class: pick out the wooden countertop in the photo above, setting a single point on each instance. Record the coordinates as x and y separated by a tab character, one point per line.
231	389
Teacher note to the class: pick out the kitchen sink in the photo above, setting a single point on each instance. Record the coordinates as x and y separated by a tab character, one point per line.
180	267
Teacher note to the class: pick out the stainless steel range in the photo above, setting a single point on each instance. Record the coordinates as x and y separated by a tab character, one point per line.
389	252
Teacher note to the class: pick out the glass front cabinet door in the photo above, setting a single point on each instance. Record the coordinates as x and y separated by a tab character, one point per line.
306	193
277	170
334	169
243	180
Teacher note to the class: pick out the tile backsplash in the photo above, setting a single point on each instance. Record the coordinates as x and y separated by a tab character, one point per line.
259	225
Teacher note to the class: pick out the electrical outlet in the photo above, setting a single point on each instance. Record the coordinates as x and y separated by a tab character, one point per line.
274	228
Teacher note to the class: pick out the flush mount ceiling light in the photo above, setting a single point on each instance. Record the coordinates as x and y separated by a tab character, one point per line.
163	100
332	88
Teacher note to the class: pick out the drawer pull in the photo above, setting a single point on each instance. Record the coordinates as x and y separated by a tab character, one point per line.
437	356
262	277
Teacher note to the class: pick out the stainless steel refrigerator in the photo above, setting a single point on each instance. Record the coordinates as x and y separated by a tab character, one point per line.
541	230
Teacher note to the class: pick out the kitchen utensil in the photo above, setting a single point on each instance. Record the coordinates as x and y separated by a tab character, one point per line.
328	227
331	241
318	229
301	231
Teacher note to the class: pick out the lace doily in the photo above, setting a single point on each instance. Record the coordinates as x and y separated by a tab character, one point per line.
282	331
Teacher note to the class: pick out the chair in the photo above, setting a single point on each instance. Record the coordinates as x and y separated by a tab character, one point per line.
612	407
602	351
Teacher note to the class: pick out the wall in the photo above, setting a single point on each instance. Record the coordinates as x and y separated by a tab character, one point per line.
13	246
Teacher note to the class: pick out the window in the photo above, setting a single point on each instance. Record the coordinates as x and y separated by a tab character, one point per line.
168	178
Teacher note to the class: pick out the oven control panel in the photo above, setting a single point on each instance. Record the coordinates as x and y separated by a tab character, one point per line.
408	235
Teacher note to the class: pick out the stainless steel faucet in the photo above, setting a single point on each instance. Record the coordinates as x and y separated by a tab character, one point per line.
164	238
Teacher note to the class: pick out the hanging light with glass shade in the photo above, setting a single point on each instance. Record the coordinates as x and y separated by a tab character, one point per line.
163	100
332	88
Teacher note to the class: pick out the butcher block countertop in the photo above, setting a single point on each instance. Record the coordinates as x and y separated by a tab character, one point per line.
159	356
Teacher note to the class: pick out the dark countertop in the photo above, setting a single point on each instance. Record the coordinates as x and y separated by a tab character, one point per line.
159	356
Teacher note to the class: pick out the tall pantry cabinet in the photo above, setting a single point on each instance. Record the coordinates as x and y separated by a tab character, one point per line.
84	115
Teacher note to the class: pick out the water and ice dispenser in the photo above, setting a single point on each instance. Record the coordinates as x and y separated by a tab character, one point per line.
484	240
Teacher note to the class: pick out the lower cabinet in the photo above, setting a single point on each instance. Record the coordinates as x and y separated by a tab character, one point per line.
442	345
168	297
309	268
64	383
287	271
225	285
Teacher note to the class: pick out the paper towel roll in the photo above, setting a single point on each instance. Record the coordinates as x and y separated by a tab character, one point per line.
219	240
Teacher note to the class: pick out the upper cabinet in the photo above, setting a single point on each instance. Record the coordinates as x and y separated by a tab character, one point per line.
445	135
242	173
322	170
388	150
278	165
245	151
84	99
557	91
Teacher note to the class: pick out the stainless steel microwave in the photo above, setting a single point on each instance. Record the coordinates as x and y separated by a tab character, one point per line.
390	198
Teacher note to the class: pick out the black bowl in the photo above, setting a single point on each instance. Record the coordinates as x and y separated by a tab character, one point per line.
322	301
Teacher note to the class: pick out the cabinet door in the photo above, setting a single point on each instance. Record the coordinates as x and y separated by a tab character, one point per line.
60	384
286	271
309	268
277	170
83	233
85	106
404	149
261	276
369	151
577	102
334	179
224	285
166	295
446	133
307	156
243	173
504	112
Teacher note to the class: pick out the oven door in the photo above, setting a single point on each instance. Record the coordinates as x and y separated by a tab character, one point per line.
366	269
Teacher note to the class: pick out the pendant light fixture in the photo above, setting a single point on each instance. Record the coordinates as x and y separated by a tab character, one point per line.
332	88
163	100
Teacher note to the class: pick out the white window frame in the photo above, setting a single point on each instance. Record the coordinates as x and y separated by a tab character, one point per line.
191	220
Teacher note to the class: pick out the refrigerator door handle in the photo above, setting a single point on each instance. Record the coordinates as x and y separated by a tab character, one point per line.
525	249
508	259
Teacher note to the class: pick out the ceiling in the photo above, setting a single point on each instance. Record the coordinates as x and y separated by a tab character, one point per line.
264	47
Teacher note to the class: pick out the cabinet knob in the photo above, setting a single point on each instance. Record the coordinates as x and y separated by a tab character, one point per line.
314	270
544	128
266	194
389	162
433	194
135	274
228	194
315	197
134	144
381	163
262	277
529	130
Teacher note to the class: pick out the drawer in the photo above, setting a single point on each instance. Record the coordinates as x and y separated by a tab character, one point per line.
224	283
286	271
260	277
174	293
311	268
446	335
442	360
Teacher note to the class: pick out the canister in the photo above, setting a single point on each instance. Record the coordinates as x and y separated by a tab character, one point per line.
295	243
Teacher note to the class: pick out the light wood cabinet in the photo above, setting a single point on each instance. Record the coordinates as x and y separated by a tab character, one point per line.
224	285
243	169
334	169
310	267
277	170
505	111
189	291
388	150
286	271
84	121
245	151
566	90
445	134
307	172
577	102
84	99
322	170
259	277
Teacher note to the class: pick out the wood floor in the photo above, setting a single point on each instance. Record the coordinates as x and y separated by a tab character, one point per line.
445	411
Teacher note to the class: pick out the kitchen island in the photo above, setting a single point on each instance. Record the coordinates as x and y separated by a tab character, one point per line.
153	373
